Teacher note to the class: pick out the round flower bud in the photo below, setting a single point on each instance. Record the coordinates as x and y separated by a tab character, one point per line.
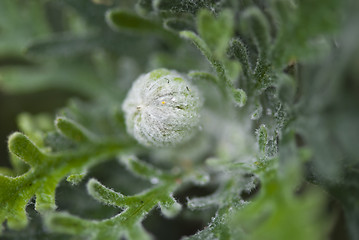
162	108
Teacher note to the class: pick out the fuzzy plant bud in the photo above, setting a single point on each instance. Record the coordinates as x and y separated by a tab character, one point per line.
162	109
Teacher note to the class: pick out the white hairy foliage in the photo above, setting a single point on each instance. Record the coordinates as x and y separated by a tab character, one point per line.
162	109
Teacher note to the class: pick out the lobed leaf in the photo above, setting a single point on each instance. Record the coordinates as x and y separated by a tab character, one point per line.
72	130
185	6
25	149
106	195
195	76
203	202
299	25
143	169
126	223
170	207
178	24
46	172
66	223
45	195
122	20
51	74
15	31
277	207
262	75
262	138
216	32
239	96
217	228
254	22
75	179
239	50
137	232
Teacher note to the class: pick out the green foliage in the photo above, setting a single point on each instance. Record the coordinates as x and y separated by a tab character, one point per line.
277	208
279	83
216	32
136	207
44	175
13	39
125	21
186	6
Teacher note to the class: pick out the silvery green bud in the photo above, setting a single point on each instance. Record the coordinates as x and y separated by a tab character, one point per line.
162	108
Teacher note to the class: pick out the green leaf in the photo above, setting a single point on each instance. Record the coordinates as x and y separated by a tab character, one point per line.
137	232
217	229
216	32
200	203
240	97
16	32
198	76
262	138
6	172
72	130
204	202
240	52
203	47
122	20
52	74
200	178
286	88
13	212
185	6
126	223
42	179
265	217
257	113
19	166
262	75
106	195
170	207
66	223
234	69
62	46
90	11
35	126
299	25
254	22
178	24
25	149
75	179
143	169
45	196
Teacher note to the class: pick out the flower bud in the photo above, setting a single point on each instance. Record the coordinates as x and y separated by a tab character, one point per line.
162	108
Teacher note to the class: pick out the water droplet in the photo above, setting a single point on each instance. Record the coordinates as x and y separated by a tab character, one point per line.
154	180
